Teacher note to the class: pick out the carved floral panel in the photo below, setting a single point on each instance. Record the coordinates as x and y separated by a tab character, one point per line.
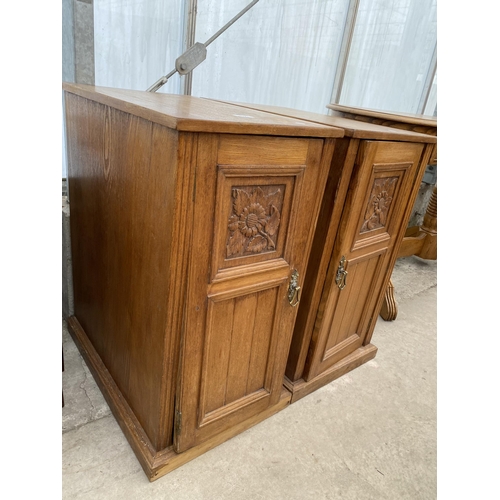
379	204
255	218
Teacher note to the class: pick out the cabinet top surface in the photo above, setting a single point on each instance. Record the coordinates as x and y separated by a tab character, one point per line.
193	114
414	119
352	128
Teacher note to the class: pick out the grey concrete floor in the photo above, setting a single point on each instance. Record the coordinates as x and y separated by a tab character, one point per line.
371	434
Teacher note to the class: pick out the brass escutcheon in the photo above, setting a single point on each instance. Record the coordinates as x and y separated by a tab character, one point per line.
294	289
341	278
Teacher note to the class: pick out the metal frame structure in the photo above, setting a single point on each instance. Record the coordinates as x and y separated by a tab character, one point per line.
343	59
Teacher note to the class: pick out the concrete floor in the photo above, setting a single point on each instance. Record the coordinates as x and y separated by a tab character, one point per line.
369	435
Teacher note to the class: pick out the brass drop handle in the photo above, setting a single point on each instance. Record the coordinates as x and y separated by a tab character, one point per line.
341	278
294	289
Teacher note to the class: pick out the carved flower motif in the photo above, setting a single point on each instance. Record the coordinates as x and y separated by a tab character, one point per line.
380	202
381	205
254	221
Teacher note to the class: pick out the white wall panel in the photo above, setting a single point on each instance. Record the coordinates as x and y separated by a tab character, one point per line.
137	42
281	52
391	54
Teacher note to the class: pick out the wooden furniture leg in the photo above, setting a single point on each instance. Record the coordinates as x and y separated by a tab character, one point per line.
423	245
389	309
429	228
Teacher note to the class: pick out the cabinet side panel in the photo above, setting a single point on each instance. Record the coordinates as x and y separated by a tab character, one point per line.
121	175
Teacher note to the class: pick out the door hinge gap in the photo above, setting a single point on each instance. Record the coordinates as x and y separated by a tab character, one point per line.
178	421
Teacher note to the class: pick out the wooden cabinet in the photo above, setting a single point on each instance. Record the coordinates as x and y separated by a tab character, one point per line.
373	221
191	223
209	240
373	181
418	240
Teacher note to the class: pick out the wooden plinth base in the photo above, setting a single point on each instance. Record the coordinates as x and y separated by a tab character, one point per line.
155	463
301	388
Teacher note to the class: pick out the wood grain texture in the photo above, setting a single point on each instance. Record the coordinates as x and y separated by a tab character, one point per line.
345	317
401	121
182	216
238	321
254	205
189	217
192	114
220	325
389	309
124	415
154	463
168	460
421	243
121	170
189	340
300	388
429	228
411	245
352	128
408	118
329	231
241	345
237	344
351	305
339	175
337	346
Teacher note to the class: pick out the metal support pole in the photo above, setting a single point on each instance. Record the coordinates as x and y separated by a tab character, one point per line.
196	54
345	48
428	83
192	11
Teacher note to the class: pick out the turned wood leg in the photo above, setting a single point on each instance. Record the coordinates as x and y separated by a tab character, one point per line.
389	309
426	248
429	228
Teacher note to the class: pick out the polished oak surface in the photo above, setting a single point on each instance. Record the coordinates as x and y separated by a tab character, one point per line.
409	118
185	240
373	181
192	114
372	224
207	238
352	128
421	241
122	172
264	200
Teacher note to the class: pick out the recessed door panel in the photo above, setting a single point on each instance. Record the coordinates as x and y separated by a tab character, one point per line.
240	333
253	212
345	316
352	302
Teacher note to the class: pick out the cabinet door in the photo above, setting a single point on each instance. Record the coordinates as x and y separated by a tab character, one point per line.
256	202
372	225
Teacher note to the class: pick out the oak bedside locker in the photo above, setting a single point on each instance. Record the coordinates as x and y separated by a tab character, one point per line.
191	224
